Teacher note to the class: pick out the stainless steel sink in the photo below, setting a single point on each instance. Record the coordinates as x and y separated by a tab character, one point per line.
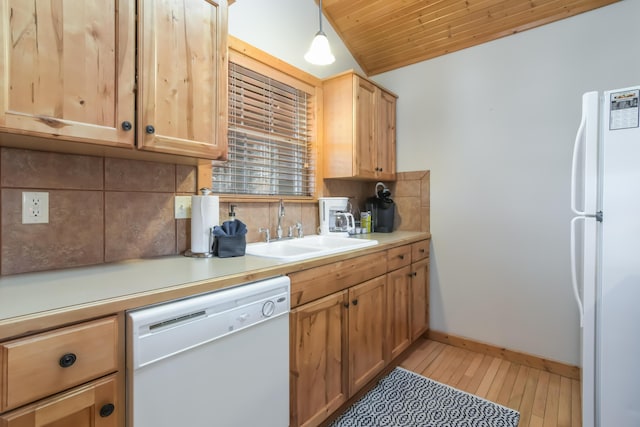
307	247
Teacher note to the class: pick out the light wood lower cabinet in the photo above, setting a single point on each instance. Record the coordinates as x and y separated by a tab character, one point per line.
336	347
366	332
65	377
419	298
350	320
318	348
92	405
398	311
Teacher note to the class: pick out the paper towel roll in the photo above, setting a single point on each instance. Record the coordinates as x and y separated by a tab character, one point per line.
205	213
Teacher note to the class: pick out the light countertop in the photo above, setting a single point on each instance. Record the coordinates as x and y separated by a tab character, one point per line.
36	300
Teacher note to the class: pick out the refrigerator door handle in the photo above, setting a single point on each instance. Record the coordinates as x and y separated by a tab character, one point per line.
580	137
574	273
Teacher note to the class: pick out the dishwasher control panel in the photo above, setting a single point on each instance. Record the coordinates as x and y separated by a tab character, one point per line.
161	331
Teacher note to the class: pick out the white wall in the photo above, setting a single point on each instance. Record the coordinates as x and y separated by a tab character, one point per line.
495	125
285	28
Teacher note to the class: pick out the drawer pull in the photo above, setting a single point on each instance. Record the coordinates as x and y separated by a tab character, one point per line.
422	250
107	410
401	256
67	360
354	302
414	274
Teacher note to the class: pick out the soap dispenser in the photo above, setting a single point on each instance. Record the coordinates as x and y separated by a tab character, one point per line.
232	212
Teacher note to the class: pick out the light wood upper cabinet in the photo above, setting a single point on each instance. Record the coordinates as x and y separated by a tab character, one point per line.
183	77
386	134
359	129
68	70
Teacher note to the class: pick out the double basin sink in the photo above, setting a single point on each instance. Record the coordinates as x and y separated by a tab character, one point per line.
307	247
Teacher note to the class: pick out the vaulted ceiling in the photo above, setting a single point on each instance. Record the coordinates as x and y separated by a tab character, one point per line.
383	35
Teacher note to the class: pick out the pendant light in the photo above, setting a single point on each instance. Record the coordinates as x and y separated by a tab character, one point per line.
320	52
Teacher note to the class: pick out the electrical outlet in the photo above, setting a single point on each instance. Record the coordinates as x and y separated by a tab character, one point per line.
182	207
35	207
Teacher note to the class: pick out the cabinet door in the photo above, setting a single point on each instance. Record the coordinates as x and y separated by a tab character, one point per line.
386	136
366	332
398	311
67	70
183	77
419	298
92	405
365	150
318	359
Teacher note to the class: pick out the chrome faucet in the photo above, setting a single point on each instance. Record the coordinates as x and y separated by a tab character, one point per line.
267	234
280	216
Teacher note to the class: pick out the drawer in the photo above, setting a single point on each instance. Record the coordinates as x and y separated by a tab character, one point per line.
314	283
419	250
92	404
398	257
40	365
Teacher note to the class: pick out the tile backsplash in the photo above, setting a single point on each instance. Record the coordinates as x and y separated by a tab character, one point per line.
106	209
100	209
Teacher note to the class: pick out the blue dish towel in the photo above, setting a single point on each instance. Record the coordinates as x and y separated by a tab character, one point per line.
230	228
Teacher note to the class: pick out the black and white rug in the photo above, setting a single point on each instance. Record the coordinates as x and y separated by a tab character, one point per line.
404	398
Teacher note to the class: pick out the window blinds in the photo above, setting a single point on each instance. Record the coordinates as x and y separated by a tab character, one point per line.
270	147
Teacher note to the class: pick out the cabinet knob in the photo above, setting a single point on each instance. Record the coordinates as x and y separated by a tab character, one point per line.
354	302
127	126
346	305
107	410
150	129
67	360
414	274
401	256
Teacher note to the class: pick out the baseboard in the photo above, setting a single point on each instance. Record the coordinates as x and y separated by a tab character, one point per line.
530	360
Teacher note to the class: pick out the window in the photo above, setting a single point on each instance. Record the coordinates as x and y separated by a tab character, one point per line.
270	137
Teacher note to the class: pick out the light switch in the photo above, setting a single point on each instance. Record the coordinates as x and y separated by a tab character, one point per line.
182	207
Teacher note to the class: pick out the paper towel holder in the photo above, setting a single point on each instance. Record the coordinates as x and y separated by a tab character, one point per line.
209	254
190	253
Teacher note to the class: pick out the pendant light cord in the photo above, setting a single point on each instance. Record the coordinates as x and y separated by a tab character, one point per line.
320	15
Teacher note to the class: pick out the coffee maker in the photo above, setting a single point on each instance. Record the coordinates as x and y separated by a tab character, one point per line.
335	218
382	209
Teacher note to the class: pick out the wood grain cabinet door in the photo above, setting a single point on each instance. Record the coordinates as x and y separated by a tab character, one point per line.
318	359
398	311
91	405
386	136
366	332
419	298
68	70
182	93
366	154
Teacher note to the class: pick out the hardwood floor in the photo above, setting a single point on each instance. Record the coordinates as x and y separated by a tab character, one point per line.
543	399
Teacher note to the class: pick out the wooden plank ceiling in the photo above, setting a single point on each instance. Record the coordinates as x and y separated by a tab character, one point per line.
383	35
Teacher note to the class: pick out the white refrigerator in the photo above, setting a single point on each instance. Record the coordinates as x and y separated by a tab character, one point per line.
605	255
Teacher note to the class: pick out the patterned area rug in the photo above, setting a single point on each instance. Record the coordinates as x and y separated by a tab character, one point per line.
404	398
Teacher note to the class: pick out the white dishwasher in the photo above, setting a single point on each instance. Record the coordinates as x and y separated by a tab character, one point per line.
219	359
